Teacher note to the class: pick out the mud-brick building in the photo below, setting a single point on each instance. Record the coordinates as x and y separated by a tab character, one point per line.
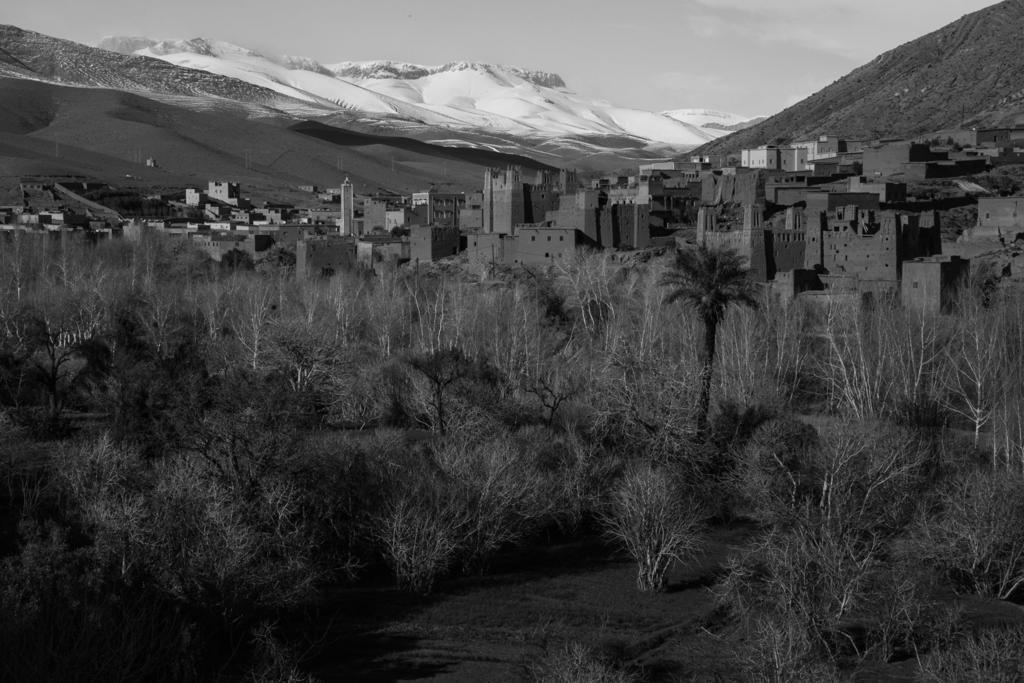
999	218
324	256
733	186
514	196
849	248
821	201
930	285
440	209
373	251
918	161
869	245
430	243
471	215
532	246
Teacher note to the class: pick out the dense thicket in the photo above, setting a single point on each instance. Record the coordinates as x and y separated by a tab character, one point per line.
192	455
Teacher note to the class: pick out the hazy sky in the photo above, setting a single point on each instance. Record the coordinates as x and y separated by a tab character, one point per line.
750	57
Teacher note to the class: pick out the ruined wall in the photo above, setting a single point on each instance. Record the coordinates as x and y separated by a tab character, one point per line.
737	188
786	250
875	256
488	247
323	257
917	239
748	243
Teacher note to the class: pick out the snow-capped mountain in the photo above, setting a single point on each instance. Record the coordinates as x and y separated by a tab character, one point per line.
455	96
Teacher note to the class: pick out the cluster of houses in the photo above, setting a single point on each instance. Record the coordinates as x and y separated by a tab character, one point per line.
967	153
52	206
821	218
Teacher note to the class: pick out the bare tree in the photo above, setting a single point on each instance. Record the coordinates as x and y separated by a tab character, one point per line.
654	522
975	367
252	321
978	537
442	368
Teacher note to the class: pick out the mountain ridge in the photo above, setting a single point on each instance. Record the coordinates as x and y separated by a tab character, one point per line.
963	74
457	95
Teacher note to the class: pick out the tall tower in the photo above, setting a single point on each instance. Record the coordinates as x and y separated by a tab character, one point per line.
347	222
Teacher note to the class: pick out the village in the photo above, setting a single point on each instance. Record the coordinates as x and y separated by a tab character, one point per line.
820	219
406	342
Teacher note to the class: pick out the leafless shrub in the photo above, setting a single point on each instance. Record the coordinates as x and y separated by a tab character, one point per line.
764	358
824	570
584	479
863	476
210	545
654	522
275	662
576	662
777	470
180	525
811	577
780	652
977	537
506	495
992	656
420	532
62	623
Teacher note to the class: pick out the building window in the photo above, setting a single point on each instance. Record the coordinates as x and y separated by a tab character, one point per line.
533	238
546	254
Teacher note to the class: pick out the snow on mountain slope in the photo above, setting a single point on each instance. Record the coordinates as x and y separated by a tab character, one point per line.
460	95
702	117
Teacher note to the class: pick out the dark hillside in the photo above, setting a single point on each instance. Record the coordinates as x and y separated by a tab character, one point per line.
970	72
349	138
52	130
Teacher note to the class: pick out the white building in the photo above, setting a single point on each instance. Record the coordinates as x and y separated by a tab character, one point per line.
224	192
775	158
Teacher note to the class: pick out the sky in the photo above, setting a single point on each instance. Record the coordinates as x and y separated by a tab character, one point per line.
750	57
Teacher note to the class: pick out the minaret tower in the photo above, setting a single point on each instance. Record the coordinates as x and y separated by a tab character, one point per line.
347	223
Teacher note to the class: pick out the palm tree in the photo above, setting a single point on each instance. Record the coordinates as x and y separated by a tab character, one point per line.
709	280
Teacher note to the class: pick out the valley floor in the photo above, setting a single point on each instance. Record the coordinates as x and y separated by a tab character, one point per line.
496	627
